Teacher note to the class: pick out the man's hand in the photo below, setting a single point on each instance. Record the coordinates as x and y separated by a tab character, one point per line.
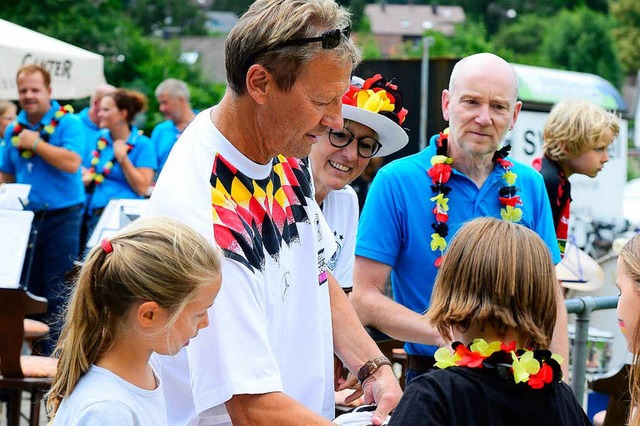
382	388
27	138
351	382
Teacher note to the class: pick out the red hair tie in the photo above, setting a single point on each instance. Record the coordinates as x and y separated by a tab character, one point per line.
106	246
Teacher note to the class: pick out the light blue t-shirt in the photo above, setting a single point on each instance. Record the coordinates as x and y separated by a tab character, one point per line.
395	224
101	398
51	188
115	184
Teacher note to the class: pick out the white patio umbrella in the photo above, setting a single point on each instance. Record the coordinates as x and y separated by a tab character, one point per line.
75	72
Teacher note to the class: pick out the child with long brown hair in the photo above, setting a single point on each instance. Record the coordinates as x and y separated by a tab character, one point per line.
629	317
146	289
495	292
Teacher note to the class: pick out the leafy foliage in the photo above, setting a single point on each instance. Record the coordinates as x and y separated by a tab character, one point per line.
152	15
581	40
131	59
627	33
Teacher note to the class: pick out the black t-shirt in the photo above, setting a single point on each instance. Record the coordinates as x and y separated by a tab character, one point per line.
558	187
461	396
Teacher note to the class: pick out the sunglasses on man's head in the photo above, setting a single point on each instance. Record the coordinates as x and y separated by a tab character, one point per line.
330	40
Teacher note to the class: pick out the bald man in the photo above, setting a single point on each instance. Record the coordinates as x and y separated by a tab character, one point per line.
416	204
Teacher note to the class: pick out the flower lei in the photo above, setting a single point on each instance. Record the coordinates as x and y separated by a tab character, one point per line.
535	368
98	178
379	96
45	132
440	173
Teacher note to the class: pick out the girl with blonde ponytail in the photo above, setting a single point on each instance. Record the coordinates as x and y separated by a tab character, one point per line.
628	283
145	290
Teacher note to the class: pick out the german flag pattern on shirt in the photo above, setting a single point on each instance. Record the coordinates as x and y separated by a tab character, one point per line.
253	218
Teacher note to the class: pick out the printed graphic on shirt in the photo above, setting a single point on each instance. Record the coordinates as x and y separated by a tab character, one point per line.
334	259
286	283
254	217
323	276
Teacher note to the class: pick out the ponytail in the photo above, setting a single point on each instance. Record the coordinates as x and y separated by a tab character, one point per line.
84	334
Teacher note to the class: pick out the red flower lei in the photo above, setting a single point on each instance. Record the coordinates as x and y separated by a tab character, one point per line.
440	173
45	132
98	178
535	368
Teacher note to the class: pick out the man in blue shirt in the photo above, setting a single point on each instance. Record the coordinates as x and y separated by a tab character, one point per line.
43	149
416	204
89	119
174	102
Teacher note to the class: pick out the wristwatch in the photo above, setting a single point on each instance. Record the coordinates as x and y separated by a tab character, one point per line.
371	367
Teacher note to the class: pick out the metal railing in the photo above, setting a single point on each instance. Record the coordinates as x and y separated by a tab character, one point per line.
583	307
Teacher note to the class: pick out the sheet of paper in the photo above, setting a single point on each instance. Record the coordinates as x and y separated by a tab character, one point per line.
14	195
117	214
15	228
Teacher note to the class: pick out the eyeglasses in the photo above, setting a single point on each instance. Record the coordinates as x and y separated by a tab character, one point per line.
367	145
330	40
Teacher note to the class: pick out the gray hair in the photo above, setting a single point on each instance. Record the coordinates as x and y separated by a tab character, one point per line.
174	88
270	22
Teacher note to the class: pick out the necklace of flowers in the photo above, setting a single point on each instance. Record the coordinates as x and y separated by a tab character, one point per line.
535	368
45	132
440	173
98	178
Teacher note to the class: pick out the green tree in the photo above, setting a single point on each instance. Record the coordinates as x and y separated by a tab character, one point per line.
131	60
237	6
523	39
627	33
581	40
469	38
151	15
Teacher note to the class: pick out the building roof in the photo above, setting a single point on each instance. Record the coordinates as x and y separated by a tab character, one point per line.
210	56
412	19
220	21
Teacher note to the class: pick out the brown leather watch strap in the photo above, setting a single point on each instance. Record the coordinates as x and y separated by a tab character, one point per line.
371	367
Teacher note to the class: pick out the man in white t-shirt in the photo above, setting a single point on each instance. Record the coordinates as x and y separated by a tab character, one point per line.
267	357
373	113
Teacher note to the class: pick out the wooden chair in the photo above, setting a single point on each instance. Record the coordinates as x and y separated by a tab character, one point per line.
34	334
19	372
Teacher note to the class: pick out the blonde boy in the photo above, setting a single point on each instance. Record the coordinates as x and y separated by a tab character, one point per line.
575	141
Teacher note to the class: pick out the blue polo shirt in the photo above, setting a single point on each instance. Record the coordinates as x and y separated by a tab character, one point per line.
51	188
163	137
395	224
115	184
91	131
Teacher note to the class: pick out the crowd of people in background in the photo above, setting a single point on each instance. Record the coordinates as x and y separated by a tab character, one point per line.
250	204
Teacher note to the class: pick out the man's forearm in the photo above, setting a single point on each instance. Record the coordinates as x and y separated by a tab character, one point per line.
351	342
274	408
375	309
401	323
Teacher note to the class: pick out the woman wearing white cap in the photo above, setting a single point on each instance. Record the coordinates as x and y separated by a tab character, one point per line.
373	114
